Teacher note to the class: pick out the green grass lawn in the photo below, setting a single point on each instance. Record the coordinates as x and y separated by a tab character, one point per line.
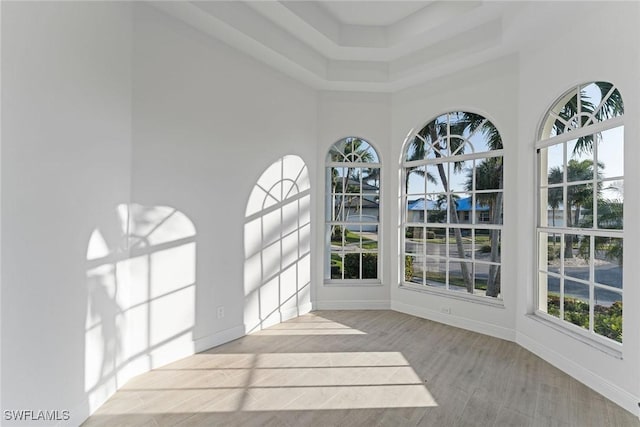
351	237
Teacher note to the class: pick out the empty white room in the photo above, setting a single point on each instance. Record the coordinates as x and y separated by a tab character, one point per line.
319	213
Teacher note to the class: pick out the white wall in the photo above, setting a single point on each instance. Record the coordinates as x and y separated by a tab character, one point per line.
368	116
208	124
490	90
66	141
546	72
131	146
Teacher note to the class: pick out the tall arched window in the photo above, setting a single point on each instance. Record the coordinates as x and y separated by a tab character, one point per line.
453	198
580	205
352	212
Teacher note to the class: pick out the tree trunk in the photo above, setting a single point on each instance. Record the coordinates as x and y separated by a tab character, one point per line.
493	281
466	274
568	238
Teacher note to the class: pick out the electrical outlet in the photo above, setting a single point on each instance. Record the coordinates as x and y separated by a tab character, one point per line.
220	312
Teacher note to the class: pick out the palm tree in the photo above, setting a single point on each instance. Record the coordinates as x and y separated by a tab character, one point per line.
443	135
578	196
574	115
488	176
555	193
350	150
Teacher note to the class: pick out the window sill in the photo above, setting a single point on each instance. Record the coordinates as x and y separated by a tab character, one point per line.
353	282
612	349
475	299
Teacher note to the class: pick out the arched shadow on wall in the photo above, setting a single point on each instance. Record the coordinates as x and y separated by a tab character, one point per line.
141	279
277	236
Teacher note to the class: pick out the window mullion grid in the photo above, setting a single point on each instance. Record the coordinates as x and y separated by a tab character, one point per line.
562	246
343	255
566	208
474	185
592	279
578	133
579	105
424	256
594	198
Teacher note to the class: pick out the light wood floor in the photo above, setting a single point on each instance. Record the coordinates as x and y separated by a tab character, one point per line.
360	368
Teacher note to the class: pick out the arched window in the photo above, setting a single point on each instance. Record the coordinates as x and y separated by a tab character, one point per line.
352	211
453	198
580	204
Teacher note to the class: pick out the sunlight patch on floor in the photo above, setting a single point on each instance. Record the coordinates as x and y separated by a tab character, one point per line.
211	382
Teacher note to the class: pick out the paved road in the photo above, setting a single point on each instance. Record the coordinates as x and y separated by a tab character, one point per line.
608	274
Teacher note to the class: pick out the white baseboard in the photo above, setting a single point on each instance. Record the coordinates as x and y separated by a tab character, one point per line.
606	388
352	305
458	322
218	338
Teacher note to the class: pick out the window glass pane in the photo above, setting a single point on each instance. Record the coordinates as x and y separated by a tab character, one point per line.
416	180
487	278
555	206
434	174
488	174
552	286
579	206
414	150
460	243
436	272
607	315
487	245
369	238
610	205
580	170
461	176
489	208
577	250
458	146
369	154
415	210
369	266
414	240
554	157
436	206
580	150
552	245
576	303
606	99
608	261
352	265
413	269
460	276
611	153
337	263
436	240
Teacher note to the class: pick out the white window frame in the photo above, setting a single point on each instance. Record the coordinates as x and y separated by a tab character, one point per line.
592	127
474	224
329	204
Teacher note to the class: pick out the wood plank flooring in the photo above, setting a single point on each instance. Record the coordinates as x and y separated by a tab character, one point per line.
360	368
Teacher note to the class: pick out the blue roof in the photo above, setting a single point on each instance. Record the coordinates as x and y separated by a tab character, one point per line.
462	204
418	205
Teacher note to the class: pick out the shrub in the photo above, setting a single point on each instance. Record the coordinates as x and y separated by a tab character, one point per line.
408	268
553	252
352	266
607	320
